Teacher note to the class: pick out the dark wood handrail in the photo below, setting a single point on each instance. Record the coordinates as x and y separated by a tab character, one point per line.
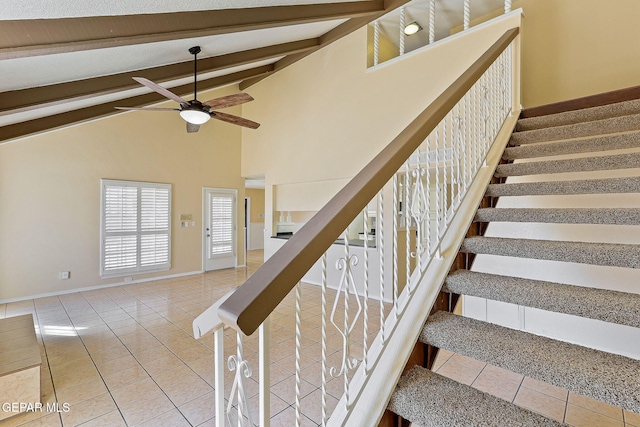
254	301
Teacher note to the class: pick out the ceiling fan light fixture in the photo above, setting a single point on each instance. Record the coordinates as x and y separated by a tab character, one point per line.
196	117
412	28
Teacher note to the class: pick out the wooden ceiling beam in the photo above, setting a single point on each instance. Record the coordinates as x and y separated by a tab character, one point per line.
32	37
42	124
26	99
337	33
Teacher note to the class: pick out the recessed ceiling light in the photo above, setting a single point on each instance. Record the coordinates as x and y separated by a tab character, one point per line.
412	28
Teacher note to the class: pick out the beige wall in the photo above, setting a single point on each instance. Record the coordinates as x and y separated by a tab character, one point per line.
386	49
257	204
575	48
50	193
326	116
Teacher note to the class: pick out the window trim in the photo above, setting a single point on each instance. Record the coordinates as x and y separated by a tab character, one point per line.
138	233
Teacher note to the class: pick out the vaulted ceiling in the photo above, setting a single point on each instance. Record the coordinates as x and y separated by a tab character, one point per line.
69	61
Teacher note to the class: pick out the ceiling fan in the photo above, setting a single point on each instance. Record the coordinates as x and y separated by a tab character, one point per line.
195	112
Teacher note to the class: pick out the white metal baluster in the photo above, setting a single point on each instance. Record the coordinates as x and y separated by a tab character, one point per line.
487	111
497	96
395	244
429	201
474	129
506	73
438	193
432	21
402	35
493	93
444	174
345	376
323	331
365	346
511	70
417	205
219	367
264	345
298	332
459	153
507	6
502	84
380	234
454	162
464	141
407	224
376	42
241	393
467	15
510	79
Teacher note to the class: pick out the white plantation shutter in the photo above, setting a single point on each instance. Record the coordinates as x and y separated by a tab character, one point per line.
222	232
136	227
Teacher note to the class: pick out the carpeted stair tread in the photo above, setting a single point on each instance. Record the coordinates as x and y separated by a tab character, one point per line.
587	186
608	254
586	145
616	161
432	400
618	216
606	377
596	127
600	304
582	115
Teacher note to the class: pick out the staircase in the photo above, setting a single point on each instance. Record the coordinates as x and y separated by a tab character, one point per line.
429	399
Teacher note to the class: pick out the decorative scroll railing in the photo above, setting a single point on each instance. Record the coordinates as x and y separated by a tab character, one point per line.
413	189
420	16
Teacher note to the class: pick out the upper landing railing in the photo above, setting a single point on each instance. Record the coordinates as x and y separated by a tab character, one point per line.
416	14
414	188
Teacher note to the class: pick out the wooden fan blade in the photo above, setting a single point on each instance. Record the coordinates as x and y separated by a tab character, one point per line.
147	109
162	91
191	128
230	118
228	101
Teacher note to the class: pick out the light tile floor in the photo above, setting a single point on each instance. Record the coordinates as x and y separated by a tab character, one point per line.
125	356
551	401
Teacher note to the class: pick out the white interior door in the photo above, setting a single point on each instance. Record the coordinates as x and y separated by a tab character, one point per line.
220	228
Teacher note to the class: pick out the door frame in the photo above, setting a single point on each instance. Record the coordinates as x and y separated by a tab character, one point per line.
247	223
233	191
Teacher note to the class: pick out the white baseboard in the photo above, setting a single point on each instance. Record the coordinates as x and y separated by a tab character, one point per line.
93	288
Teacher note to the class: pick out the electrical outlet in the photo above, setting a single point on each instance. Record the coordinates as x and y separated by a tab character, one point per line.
128	279
64	275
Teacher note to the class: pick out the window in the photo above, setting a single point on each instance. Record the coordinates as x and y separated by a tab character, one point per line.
222	224
135	227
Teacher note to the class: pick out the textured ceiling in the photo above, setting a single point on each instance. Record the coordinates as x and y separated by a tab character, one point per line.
38	9
62	67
